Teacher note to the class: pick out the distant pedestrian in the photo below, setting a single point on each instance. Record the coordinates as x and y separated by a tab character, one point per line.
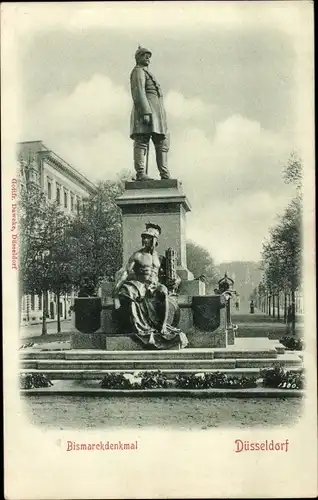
252	307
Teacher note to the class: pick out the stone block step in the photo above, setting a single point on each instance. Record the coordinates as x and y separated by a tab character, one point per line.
157	364
287	360
230	353
83	354
170	373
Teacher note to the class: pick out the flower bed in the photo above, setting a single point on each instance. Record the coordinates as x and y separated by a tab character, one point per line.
279	377
292	344
276	377
215	380
34	381
158	380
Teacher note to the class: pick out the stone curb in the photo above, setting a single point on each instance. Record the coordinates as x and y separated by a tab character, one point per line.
237	393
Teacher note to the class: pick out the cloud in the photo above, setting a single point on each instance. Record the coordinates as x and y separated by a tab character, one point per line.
177	106
136	16
92	106
240	157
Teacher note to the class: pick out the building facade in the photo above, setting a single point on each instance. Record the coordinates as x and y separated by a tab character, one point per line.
68	187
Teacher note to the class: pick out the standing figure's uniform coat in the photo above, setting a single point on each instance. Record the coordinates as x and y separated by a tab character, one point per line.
148	99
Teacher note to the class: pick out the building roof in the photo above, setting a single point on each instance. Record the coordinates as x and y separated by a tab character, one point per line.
37	147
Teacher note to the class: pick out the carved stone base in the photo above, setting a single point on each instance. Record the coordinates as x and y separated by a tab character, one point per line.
198	339
88	341
230	335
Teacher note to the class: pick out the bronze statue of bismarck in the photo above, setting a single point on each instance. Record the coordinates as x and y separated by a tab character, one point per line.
148	118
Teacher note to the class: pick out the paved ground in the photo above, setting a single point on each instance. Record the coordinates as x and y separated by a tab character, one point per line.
80	412
261	325
36	330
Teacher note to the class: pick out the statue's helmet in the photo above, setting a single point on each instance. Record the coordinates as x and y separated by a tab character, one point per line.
140	51
152	230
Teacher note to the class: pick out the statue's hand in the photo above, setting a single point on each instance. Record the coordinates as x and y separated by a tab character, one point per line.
147	119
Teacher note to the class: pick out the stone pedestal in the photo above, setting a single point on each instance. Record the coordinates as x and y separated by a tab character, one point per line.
161	202
208	336
192	287
87	323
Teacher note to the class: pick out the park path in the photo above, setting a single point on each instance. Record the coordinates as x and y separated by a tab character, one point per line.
34	332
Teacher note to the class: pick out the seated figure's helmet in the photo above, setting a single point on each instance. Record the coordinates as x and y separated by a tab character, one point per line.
152	230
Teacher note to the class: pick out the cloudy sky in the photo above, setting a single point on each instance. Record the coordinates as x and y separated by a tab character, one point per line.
230	77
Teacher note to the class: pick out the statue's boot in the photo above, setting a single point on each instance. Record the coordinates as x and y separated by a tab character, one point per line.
162	163
140	154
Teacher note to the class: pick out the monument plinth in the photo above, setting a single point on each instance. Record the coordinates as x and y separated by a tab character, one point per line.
164	203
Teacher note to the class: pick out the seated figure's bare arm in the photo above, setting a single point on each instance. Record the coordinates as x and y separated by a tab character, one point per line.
123	273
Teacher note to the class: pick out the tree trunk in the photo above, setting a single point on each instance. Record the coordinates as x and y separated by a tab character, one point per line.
27	299
58	311
274	312
278	306
269	305
293	312
44	313
285	307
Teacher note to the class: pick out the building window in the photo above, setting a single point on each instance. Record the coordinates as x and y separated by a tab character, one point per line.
49	189
58	194
72	202
40	302
32	302
65	199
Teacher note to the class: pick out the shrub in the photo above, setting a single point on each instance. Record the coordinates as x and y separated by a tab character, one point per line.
239	382
115	381
192	381
292	344
272	377
279	377
34	381
293	380
153	380
216	380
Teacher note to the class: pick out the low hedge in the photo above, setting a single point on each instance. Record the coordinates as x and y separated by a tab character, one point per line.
136	380
34	381
215	380
275	377
292	344
158	380
279	377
